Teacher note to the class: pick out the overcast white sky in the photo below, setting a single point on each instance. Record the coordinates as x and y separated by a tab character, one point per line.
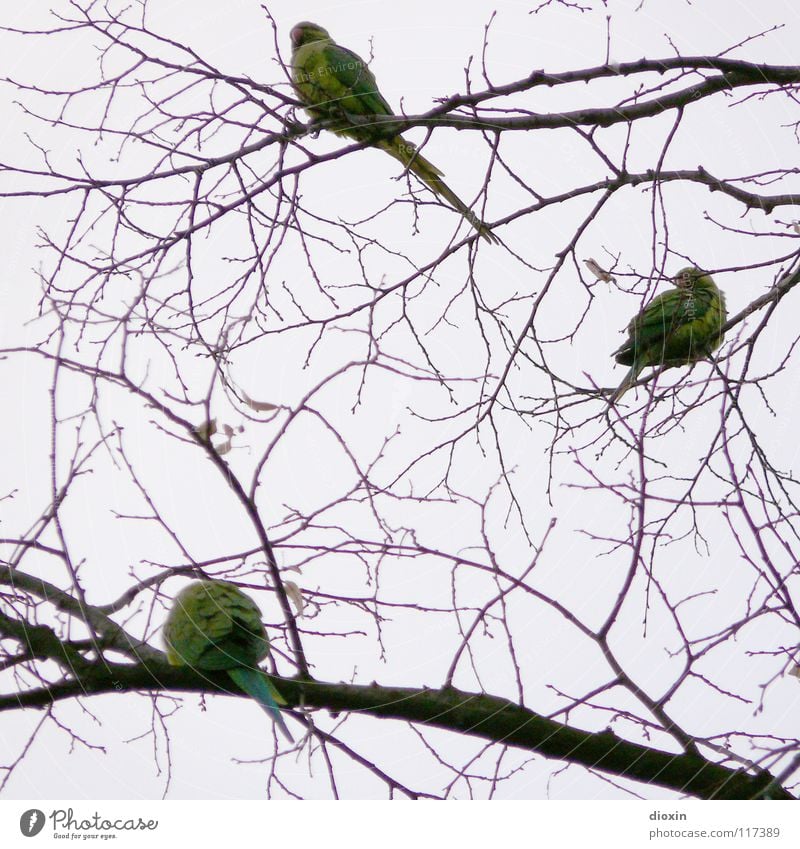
420	52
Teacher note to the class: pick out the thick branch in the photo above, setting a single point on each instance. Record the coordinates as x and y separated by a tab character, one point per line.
473	714
598	116
113	635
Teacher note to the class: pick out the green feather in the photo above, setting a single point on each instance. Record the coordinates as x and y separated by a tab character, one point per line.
678	327
213	625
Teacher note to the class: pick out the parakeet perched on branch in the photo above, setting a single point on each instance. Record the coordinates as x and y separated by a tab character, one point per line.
335	83
679	327
213	625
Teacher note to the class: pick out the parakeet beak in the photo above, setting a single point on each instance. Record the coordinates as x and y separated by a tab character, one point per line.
296	36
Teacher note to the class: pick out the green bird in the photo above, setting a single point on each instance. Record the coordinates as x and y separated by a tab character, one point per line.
334	83
213	625
677	328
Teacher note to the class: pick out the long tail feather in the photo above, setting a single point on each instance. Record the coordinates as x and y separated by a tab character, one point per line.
255	684
627	382
406	153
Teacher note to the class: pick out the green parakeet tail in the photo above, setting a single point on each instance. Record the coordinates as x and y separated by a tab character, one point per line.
253	682
628	381
407	153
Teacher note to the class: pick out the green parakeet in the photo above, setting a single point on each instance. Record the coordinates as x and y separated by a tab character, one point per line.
213	625
679	327
335	83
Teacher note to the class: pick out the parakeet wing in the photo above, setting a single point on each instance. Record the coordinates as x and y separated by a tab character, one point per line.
332	80
239	645
360	87
653	324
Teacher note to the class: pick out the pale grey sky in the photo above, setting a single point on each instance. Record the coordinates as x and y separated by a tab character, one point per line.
420	52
